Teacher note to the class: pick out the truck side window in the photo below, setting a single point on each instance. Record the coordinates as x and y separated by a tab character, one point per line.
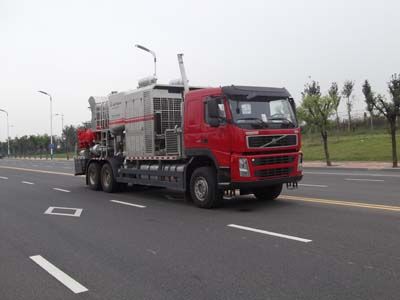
221	111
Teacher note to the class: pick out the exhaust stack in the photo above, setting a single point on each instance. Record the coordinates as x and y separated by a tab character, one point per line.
183	73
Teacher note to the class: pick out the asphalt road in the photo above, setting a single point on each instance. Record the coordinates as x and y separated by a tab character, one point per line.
336	237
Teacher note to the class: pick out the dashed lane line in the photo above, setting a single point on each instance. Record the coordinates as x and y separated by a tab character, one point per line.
3	177
313	185
61	190
342	203
62	277
127	203
285	236
361	179
27	182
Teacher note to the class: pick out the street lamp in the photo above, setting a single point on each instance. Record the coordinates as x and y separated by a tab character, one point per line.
66	137
62	122
51	123
8	133
152	53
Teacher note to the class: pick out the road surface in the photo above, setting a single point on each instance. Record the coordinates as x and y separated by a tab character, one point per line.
336	237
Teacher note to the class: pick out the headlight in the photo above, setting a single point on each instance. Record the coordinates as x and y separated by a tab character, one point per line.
244	167
300	162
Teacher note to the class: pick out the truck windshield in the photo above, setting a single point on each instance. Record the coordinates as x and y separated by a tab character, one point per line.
262	113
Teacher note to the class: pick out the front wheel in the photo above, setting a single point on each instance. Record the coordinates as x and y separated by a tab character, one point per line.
203	188
269	192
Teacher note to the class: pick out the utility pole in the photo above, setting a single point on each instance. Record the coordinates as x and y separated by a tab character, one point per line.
8	133
51	123
66	135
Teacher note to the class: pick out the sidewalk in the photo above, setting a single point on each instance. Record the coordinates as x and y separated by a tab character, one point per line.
372	165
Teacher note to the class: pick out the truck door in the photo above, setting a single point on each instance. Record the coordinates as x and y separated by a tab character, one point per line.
215	134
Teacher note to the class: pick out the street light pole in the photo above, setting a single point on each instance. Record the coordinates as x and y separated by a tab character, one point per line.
8	133
51	123
152	53
62	122
66	137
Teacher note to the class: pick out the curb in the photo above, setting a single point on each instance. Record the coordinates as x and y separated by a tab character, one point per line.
42	159
387	166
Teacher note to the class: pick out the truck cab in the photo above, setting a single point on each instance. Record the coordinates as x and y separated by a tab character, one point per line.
250	134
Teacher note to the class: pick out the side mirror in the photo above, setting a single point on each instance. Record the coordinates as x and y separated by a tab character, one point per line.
212	109
213	122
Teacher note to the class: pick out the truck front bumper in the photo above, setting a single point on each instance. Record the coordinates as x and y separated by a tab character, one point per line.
262	183
262	170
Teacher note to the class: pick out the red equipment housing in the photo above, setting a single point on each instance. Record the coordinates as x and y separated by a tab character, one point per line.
86	138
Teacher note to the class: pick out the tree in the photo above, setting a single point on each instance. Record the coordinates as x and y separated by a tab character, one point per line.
312	89
346	92
69	134
334	95
315	110
69	138
391	110
369	100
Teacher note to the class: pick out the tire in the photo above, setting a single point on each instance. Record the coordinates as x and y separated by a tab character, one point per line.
268	193
93	176
108	182
203	188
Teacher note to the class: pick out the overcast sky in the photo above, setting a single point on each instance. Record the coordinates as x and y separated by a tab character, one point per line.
76	49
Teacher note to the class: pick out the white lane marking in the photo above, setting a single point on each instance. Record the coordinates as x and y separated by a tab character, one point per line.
353	174
2	177
61	190
37	171
127	203
360	179
77	211
27	182
62	277
290	237
313	185
35	166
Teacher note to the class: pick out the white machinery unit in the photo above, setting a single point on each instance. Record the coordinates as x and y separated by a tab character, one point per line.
148	119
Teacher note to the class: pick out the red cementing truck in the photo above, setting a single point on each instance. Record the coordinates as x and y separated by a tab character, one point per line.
205	142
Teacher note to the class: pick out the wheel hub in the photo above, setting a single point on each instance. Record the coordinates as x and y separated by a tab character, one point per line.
201	188
107	178
92	177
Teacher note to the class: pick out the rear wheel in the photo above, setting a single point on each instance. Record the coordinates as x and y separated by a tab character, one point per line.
108	182
93	176
203	188
268	193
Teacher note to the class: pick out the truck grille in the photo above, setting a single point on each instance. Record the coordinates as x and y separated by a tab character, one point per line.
272	160
171	141
273	172
268	141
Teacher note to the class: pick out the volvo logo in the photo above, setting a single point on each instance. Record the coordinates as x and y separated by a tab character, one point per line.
273	141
